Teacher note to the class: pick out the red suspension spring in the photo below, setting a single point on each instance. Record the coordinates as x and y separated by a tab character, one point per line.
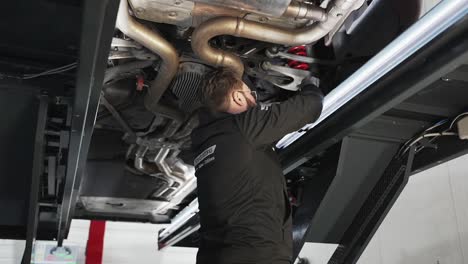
300	51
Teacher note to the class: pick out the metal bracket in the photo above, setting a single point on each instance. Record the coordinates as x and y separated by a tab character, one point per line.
409	162
37	170
272	53
132	137
424	142
177	222
98	27
123	43
297	75
337	12
126	49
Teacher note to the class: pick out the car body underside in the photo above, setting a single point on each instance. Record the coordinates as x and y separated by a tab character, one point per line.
99	99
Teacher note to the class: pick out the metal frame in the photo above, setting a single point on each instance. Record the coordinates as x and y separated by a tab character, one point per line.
37	169
447	148
446	53
97	30
436	21
409	78
314	191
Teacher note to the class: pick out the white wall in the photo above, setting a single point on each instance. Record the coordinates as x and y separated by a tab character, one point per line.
126	243
11	251
429	221
428	224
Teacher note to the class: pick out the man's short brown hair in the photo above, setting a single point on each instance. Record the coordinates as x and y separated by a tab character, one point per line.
216	88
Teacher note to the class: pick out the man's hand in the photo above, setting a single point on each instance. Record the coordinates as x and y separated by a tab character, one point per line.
311	89
308	88
265	125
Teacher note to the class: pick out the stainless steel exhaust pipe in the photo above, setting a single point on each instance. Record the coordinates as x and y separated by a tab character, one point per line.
239	27
156	43
171	170
178	172
300	10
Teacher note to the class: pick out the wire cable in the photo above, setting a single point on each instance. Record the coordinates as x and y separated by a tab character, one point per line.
403	147
428	135
437	124
456	119
51	71
408	144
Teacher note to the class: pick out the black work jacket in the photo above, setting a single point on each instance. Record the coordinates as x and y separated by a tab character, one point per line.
244	209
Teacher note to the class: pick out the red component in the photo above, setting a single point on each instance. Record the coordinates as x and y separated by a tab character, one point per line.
299	51
95	245
292	199
140	83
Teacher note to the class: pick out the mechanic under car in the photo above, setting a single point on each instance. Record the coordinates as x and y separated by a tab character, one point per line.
244	209
234	131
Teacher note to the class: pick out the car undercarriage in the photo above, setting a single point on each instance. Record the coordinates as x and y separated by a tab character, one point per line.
100	103
151	89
